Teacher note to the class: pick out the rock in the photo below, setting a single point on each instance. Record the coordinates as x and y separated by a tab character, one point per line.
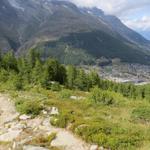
54	111
9	136
94	147
24	117
30	147
44	112
101	148
28	139
34	123
10	118
14	145
18	126
77	97
74	97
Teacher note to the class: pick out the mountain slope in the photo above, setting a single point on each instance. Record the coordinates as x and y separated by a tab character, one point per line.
119	27
62	30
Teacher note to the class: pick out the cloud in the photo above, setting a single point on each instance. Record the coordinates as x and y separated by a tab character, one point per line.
142	24
134	13
116	7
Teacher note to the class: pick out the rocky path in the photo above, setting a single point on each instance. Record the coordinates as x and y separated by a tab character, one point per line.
7	110
16	133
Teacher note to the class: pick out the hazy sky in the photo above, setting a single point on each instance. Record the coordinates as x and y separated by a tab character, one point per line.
134	13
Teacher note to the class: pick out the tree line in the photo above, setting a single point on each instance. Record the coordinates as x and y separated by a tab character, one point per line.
32	70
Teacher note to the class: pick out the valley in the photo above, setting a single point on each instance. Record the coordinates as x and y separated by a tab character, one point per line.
50	106
126	73
72	78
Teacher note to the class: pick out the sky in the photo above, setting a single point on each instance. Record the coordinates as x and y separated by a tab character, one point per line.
133	13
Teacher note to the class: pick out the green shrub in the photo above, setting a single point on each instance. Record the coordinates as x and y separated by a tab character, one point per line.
3	75
106	134
55	86
103	97
65	94
30	107
62	119
59	121
141	113
17	83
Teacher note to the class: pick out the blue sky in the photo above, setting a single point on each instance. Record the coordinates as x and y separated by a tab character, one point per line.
134	13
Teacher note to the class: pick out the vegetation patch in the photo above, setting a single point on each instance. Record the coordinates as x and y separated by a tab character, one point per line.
102	97
141	113
110	135
29	107
65	94
62	120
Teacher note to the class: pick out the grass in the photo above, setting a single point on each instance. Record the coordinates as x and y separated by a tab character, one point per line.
111	126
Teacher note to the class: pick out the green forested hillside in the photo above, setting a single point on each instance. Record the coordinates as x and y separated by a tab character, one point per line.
112	115
32	70
86	47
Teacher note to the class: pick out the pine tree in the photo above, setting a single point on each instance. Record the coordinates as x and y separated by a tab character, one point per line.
81	80
71	76
93	79
37	72
9	62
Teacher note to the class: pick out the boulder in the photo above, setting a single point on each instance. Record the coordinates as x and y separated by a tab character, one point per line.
94	147
74	97
24	117
54	111
77	97
44	112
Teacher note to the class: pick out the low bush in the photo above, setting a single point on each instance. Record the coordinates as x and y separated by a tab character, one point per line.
30	107
65	94
99	96
17	83
106	135
55	86
62	120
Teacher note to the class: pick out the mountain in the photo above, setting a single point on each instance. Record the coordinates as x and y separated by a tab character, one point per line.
119	27
73	35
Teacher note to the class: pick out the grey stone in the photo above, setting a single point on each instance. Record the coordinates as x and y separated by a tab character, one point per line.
54	111
30	147
94	147
9	136
24	117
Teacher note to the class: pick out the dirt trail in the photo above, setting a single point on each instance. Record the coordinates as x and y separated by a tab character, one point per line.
7	110
11	129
